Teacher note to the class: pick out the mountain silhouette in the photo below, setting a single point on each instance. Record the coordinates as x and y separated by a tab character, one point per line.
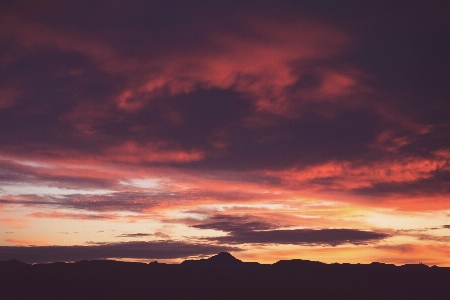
13	263
224	258
221	260
222	276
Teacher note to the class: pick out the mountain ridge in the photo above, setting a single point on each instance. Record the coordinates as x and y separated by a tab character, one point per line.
222	276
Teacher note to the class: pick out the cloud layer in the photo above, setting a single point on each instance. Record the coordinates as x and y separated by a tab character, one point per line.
130	250
237	123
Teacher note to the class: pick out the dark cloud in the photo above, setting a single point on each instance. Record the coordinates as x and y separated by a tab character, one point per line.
128	201
437	184
420	229
137	250
234	224
58	76
136	201
402	45
309	237
298	142
140	234
11	172
248	230
134	235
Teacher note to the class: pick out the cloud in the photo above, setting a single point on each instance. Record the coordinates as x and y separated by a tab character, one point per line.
257	92
429	237
131	250
215	104
184	107
76	216
248	230
158	234
234	223
26	242
120	201
131	152
434	183
135	235
180	189
403	176
308	237
15	223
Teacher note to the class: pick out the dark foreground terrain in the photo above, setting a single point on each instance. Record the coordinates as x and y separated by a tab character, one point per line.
221	277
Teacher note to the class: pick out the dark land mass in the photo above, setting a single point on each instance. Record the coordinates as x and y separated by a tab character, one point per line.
221	277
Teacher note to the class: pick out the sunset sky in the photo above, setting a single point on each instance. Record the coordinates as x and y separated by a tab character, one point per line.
167	130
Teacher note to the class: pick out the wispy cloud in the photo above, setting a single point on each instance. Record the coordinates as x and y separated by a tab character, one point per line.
158	234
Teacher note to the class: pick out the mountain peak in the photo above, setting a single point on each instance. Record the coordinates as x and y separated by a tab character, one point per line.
221	260
224	258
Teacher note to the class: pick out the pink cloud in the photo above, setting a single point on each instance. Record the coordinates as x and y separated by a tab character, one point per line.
76	216
15	223
261	65
353	174
151	152
27	242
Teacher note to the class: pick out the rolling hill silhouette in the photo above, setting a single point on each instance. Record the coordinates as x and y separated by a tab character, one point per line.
221	277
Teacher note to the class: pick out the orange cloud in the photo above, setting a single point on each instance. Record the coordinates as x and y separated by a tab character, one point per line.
421	202
15	223
414	254
76	216
27	242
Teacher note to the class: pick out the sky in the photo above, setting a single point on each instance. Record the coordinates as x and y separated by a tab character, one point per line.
172	130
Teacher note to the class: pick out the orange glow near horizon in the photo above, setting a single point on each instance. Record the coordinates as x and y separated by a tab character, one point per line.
189	199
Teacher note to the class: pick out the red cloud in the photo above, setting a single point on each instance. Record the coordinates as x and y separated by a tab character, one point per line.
353	174
261	65
151	152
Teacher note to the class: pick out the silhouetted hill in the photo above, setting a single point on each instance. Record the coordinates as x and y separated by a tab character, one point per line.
221	277
13	263
224	258
221	260
298	263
